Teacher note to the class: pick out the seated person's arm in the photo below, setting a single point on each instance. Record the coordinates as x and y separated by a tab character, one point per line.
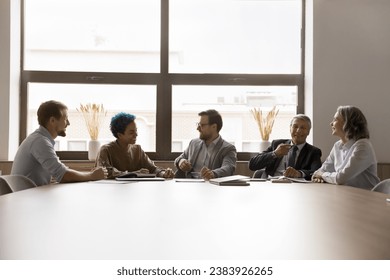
228	164
166	173
72	175
103	160
268	157
314	164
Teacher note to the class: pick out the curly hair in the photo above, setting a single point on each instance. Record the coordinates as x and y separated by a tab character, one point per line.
355	123
119	122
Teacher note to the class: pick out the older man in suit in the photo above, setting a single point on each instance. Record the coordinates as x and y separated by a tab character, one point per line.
293	157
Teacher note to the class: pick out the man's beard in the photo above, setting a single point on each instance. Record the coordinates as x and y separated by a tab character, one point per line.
203	137
62	133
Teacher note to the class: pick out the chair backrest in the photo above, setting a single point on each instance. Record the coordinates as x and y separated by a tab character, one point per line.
18	182
260	174
383	186
4	187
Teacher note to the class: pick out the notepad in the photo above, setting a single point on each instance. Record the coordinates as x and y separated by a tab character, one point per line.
235	180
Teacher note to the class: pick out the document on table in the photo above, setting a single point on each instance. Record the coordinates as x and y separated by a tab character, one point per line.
188	180
284	178
110	182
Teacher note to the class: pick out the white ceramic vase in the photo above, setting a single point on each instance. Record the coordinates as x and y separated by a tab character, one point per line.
264	144
93	149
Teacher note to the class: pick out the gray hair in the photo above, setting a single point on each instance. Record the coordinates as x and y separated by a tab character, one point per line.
303	118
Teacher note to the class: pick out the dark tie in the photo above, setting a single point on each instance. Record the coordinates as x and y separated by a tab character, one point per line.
293	155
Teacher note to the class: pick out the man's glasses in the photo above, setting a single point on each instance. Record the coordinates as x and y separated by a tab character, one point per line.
201	125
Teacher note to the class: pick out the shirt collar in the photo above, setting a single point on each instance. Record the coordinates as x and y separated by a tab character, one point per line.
300	146
215	141
42	130
347	145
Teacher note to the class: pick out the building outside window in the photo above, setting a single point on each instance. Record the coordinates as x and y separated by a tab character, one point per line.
164	61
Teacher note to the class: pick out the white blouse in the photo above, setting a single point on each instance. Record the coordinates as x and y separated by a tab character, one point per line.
353	163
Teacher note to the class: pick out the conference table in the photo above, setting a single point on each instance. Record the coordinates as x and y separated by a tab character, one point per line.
171	220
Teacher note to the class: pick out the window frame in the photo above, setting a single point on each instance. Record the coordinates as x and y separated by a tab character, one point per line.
164	82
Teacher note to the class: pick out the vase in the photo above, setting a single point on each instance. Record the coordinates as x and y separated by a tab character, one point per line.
264	144
93	149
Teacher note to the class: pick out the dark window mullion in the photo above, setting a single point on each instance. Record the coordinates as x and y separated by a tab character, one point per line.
164	91
235	79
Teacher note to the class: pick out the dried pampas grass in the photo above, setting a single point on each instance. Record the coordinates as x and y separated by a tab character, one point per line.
265	124
94	115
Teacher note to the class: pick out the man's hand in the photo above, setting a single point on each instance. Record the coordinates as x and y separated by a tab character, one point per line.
167	173
282	149
292	173
185	165
99	173
143	171
206	173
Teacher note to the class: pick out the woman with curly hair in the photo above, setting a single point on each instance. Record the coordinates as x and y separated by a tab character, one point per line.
352	160
123	155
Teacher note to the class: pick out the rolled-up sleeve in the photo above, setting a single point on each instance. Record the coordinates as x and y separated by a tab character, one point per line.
44	153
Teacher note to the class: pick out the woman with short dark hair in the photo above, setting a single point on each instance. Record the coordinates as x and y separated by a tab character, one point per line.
123	155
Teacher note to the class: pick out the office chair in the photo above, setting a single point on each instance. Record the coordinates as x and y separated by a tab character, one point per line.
17	182
4	187
383	186
259	174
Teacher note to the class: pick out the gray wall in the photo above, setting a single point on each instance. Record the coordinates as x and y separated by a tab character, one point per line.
351	66
9	77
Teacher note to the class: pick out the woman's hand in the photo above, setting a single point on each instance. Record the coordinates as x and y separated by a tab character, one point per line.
317	177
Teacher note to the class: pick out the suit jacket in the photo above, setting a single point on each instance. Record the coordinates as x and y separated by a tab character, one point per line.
308	161
222	160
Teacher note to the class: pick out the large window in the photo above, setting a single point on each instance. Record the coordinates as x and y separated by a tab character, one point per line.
92	35
164	61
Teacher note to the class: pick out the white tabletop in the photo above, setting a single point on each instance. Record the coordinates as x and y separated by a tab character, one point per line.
172	220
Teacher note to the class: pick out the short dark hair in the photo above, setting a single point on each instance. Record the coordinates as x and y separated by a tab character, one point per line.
50	109
214	118
119	122
301	117
355	123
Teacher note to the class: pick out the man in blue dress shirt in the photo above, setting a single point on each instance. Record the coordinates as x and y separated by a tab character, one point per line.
36	157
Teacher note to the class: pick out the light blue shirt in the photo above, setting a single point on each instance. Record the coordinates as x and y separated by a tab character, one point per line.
353	163
205	154
37	159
